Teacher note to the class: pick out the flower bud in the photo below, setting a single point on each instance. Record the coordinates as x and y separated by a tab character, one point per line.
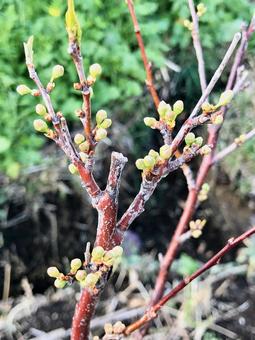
40	110
100	134
95	70
76	264
108	328
196	233
165	151
58	283
97	253
163	108
207	107
91	280
40	125
154	154
73	169
101	116
23	89
205	150
118	327
225	98
79	138
106	123
190	138
84	147
206	187
217	120
53	272
149	162
150	121
140	164
57	72
108	258
199	141
81	275
178	107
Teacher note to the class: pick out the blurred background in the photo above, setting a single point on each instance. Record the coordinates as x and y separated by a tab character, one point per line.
45	216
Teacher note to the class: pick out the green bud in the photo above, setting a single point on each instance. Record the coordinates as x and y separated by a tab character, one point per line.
150	121
40	110
154	154
218	120
165	151
108	258
97	254
57	72
72	168
101	116
76	264
91	280
178	107
79	138
199	141
205	150
81	275
106	123
95	70
84	147
149	162
23	89
100	134
163	108
28	48
58	283
190	138
117	251
225	98
140	164
207	107
84	157
40	125
206	187
53	272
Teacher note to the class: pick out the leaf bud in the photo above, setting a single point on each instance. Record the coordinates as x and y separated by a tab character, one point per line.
150	122
199	141
205	150
140	164
108	328
154	154
196	233
117	251
225	98
218	119
23	89
81	275
178	107
207	107
165	151
53	272
190	138
40	125
149	162
97	254
118	327
100	134
101	116
58	283
91	280
76	264
57	72
40	110
206	187
79	138
163	108
84	147
95	70
106	123
73	169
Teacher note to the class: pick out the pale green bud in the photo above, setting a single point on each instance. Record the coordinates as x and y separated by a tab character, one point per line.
154	154
23	89
72	169
76	264
199	141
206	187
79	138
84	147
100	134
190	138
58	283
218	120
150	121
81	275
40	125
225	98
57	72
207	107
40	110
205	150
97	253
84	157
140	164
178	107
165	151
95	70
108	258
53	272
117	251
106	123
108	328
163	108
91	280
101	116
149	161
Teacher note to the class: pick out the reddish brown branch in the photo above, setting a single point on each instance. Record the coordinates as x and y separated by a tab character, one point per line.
152	311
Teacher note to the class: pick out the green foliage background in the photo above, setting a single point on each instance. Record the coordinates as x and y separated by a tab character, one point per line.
108	38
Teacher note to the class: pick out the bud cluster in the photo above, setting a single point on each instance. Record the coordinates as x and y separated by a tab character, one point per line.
224	100
240	140
117	328
103	123
188	24
196	227
167	114
201	9
203	193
